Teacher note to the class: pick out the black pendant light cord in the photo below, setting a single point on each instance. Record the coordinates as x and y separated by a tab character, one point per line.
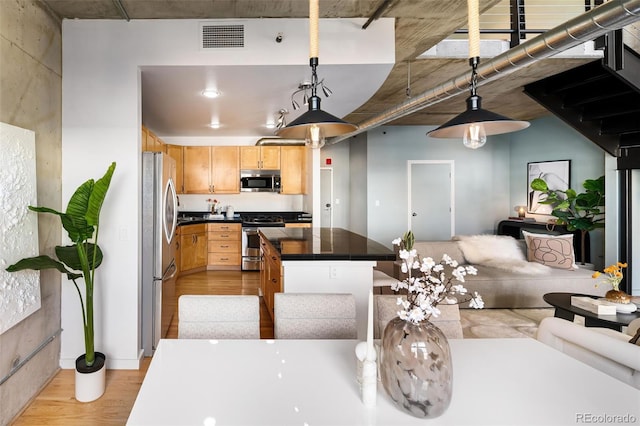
473	101
314	99
474	62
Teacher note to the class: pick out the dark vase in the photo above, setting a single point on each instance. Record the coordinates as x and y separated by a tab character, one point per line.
415	367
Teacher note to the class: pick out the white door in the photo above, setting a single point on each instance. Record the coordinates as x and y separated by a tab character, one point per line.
326	197
431	208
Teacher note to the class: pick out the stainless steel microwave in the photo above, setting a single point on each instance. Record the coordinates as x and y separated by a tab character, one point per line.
259	181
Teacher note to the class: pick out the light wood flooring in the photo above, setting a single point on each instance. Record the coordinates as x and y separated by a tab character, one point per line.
56	405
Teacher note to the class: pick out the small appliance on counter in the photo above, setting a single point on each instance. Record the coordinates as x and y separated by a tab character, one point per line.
230	212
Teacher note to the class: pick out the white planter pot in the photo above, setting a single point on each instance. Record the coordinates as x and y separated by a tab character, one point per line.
90	385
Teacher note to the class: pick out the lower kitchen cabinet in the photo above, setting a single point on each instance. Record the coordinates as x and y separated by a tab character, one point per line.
270	274
193	247
224	245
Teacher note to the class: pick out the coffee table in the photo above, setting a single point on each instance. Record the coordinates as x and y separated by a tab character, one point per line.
565	310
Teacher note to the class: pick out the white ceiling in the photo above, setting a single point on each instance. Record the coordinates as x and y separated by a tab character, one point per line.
251	96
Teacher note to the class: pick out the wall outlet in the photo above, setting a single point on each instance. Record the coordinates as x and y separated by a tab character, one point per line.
333	272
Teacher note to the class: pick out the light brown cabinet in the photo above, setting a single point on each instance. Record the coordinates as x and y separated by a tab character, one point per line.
193	247
151	142
293	169
211	169
270	274
175	152
260	157
223	244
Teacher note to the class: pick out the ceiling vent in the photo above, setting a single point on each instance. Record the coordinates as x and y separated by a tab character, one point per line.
218	36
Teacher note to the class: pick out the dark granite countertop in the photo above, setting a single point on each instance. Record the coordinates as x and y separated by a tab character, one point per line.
324	244
192	217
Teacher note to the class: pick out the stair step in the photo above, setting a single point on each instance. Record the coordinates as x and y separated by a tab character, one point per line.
624	124
585	75
612	107
595	94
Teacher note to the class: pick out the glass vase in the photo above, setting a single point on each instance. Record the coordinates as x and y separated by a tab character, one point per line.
415	367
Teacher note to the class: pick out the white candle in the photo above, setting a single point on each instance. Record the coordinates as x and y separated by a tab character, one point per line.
370	350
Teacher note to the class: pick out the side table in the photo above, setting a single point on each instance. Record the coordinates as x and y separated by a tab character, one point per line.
565	310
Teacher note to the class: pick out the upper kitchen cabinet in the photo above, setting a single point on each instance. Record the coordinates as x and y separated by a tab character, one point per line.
150	142
225	169
211	169
293	169
260	157
175	152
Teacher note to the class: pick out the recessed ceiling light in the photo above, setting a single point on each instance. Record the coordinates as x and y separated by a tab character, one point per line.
214	125
270	125
210	93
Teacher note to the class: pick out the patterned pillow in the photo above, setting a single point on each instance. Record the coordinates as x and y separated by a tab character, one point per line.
555	251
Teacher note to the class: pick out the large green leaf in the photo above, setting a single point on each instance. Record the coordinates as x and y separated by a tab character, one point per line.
98	195
69	255
41	262
74	220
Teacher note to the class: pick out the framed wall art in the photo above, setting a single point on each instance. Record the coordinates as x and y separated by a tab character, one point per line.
555	173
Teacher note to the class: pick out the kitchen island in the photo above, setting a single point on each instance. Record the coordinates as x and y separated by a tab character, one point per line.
320	260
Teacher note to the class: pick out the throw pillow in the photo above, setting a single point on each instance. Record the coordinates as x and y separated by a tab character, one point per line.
481	248
498	251
555	251
635	340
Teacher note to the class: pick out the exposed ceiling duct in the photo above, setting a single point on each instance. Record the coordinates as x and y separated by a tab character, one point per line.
610	16
279	141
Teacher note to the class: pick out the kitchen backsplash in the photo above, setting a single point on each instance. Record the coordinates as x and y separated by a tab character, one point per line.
254	201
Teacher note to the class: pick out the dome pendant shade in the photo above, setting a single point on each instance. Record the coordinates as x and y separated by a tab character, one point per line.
494	124
330	124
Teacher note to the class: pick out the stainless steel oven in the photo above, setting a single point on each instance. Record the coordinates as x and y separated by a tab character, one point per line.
251	241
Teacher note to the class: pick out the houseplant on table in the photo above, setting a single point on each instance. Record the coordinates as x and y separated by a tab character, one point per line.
79	261
583	211
416	369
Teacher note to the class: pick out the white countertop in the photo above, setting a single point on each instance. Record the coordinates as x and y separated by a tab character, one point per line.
313	382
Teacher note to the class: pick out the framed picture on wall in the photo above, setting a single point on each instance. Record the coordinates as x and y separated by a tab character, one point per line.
555	173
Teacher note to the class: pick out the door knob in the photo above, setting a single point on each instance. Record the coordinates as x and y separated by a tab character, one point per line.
414	214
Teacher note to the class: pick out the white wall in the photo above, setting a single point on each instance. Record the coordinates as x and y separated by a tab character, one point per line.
244	202
101	123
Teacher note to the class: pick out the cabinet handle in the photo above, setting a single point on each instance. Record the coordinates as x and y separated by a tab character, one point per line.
273	280
224	258
224	246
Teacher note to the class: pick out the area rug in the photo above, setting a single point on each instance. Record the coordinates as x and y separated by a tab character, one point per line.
502	323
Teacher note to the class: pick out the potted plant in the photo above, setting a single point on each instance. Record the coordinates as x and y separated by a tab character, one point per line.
583	212
79	261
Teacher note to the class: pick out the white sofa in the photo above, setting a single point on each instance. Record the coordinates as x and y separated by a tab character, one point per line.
502	288
606	350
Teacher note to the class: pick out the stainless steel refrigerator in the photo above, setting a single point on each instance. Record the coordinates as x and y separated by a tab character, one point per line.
159	221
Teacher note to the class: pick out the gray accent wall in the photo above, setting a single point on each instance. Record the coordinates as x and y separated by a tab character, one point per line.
31	91
481	180
549	139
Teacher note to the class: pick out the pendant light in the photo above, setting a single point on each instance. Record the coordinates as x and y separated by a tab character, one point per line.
473	125
315	125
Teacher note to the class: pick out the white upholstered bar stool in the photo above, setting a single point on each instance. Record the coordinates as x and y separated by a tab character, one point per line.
385	308
218	317
314	316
